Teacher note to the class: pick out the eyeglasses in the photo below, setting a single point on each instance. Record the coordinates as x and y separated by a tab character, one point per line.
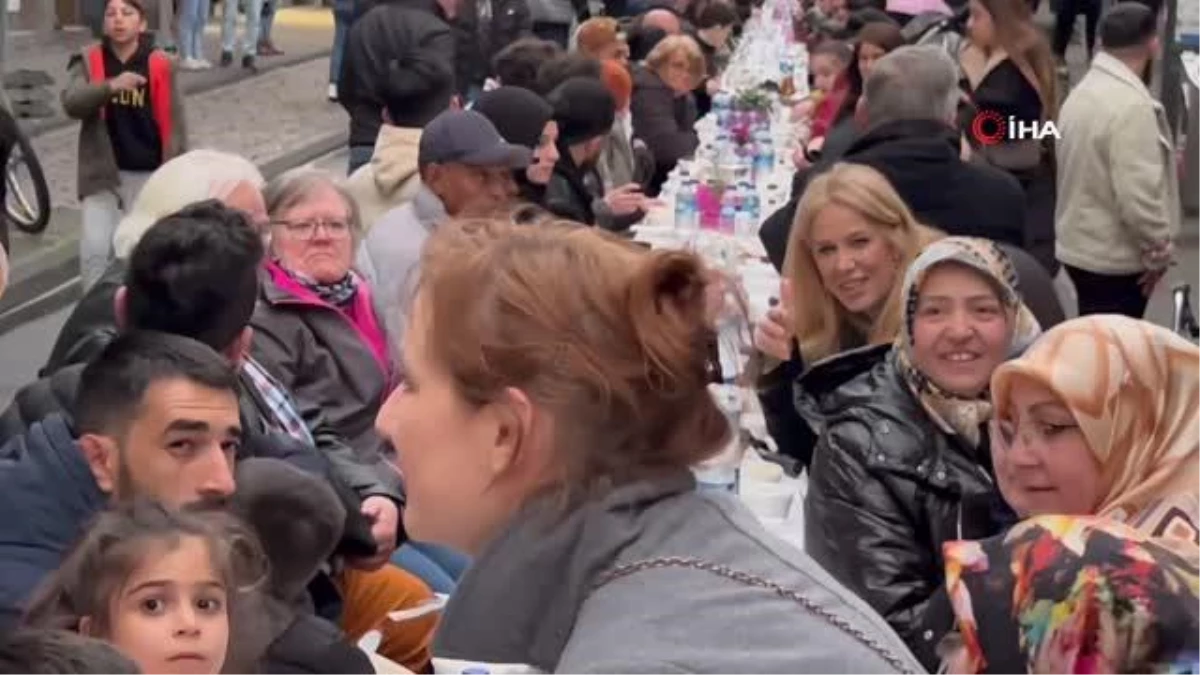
307	229
1031	433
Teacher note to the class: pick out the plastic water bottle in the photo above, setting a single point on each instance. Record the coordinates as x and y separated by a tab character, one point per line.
764	161
722	142
743	223
763	136
686	215
728	216
752	204
722	106
717	476
734	194
749	217
720	473
787	86
743	160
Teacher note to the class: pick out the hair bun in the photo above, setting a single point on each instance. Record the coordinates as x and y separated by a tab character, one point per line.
666	307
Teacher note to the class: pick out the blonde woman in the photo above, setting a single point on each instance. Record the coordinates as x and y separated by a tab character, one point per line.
851	242
663	108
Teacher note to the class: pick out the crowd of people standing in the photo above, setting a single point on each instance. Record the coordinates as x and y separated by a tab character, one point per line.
441	414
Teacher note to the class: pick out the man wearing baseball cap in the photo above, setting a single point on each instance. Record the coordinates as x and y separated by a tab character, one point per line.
466	167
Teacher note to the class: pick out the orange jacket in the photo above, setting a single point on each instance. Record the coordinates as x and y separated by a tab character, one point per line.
160	89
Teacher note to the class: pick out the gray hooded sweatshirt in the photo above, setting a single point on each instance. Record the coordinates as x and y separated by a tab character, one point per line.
655	577
390	257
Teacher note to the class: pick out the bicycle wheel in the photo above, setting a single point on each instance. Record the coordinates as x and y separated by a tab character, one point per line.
27	202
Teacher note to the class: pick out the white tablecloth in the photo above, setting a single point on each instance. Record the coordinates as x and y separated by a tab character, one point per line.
743	259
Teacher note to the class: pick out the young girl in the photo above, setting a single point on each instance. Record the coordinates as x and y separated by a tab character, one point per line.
125	93
157	584
830	85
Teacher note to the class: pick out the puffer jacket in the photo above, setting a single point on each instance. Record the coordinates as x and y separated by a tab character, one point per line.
776	394
887	487
89	329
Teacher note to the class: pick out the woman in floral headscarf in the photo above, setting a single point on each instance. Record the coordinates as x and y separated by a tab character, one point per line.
1099	419
902	465
1102	417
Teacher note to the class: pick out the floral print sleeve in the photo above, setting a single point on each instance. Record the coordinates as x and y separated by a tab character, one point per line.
1062	594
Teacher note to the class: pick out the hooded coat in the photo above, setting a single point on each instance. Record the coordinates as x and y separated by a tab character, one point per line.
298	520
391	178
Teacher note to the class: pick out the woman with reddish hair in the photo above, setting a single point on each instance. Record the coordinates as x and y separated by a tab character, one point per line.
548	429
625	159
602	39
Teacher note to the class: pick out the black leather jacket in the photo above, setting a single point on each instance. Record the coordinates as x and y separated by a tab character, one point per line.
568	194
887	487
91	325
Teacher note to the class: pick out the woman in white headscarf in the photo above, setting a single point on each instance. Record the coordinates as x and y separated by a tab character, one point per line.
902	464
191	177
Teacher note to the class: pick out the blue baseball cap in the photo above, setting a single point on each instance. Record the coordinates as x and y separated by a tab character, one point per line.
467	137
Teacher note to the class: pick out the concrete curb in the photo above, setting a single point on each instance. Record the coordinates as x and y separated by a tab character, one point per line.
226	76
48	279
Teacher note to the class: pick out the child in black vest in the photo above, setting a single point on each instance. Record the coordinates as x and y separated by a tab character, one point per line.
125	93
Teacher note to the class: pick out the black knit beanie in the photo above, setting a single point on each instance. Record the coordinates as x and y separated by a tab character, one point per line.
584	109
518	114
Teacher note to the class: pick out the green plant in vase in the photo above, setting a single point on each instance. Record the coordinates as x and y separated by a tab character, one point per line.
751	106
754	100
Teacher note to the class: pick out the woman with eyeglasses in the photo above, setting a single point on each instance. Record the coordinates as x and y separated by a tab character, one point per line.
315	327
663	107
1100	418
317	332
1096	443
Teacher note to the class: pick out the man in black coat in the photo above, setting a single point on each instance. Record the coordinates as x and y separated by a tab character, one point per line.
398	50
482	29
584	110
909	104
